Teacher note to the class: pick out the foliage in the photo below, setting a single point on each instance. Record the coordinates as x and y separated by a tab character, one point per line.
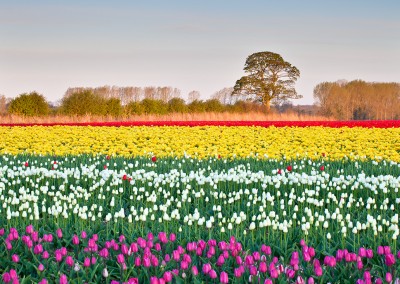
197	106
152	106
134	108
177	105
32	104
114	107
213	105
269	78
83	103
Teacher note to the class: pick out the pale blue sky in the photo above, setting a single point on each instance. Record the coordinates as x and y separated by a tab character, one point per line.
48	46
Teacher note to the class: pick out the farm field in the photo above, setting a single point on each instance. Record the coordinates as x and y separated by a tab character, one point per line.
296	202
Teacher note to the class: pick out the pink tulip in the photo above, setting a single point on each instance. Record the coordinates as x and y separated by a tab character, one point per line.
43	281
300	280
268	281
388	277
318	271
290	273
386	249
157	247
249	260
223	278
381	250
220	260
154	280
154	261
124	249
75	240
162	237
29	229
389	259
59	233
310	280
213	274
237	273
360	265
38	249
40	267
69	261
83	235
253	270
120	258
138	261
195	271
15	258
6	277
2	231
58	255
263	267
367	274
63	279
167	276
274	273
134	247
86	262
206	268
104	253
378	281
45	255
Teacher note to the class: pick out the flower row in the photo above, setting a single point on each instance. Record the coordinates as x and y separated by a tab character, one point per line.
54	258
333	124
260	200
207	141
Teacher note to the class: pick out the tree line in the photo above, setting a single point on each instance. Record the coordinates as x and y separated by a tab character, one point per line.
358	100
126	101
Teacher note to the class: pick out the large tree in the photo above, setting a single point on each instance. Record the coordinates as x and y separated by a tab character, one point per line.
268	78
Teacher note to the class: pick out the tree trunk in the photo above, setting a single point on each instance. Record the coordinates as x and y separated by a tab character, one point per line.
267	104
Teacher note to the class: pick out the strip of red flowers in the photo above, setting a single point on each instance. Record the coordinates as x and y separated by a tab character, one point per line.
332	124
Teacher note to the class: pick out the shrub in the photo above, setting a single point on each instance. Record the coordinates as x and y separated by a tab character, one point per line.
32	104
82	103
177	105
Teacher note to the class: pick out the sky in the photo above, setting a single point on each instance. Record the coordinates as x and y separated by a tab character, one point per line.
48	46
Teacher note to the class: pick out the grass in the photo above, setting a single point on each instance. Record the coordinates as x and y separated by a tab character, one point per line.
210	116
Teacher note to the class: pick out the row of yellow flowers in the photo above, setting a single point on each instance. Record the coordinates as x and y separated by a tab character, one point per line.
289	142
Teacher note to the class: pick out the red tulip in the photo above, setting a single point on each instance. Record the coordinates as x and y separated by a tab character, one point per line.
289	168
154	159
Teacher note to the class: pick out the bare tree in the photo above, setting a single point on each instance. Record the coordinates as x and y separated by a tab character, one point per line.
3	105
225	96
193	96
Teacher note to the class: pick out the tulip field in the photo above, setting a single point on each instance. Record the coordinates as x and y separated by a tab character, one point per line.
208	203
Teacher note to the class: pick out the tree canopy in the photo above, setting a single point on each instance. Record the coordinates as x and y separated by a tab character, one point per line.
32	104
268	78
